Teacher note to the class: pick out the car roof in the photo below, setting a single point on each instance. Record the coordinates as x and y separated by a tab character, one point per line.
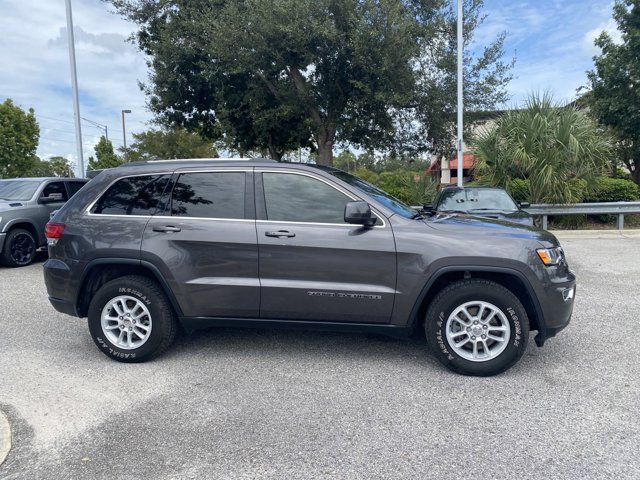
187	163
43	179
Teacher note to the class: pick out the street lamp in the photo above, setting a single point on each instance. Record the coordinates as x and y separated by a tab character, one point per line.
124	131
460	99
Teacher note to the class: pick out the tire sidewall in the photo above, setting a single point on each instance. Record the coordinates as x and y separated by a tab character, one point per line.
501	298
8	258
152	302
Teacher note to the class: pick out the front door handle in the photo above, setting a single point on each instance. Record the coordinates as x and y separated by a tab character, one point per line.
166	228
280	234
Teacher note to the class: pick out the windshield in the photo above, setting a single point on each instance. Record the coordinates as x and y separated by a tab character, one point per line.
19	190
381	196
475	199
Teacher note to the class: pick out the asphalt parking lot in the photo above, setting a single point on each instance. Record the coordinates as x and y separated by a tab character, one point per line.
238	403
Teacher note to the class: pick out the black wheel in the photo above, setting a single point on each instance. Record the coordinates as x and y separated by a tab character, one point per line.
19	248
131	320
477	327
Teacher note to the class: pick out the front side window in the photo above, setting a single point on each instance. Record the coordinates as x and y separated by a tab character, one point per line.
55	190
209	195
298	198
141	195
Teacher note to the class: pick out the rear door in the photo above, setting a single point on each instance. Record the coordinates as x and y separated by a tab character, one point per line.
205	243
313	265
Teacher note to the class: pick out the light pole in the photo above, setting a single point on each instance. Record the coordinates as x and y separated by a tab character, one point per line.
74	87
124	131
460	99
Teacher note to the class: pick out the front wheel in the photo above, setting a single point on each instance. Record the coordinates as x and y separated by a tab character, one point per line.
131	320
19	248
477	327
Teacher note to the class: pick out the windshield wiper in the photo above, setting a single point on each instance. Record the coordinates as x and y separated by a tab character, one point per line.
417	216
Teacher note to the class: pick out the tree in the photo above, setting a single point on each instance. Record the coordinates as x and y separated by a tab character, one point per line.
168	144
558	150
278	74
105	156
60	167
615	94
19	137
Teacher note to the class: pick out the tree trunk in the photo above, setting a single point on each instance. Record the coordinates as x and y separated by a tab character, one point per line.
325	138
273	152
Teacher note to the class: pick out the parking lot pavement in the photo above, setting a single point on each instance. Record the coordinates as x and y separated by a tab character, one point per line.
238	403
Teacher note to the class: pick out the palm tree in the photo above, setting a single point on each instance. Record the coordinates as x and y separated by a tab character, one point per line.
558	150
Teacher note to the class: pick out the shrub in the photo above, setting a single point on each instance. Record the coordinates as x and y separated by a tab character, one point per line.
518	189
608	189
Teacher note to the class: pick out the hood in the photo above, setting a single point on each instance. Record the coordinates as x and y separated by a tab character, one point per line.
517	216
478	226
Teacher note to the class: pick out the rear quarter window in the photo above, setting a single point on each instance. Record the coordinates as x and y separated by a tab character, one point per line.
140	195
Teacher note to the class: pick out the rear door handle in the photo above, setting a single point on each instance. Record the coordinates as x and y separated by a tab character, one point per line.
280	234
166	228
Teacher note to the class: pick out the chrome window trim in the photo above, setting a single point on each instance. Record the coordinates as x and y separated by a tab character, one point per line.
178	171
336	187
172	217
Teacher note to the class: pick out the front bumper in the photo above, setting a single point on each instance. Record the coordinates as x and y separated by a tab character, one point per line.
557	309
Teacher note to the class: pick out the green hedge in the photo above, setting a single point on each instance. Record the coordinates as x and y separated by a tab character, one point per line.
518	189
613	190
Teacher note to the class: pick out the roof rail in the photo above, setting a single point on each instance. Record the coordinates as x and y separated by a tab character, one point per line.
185	160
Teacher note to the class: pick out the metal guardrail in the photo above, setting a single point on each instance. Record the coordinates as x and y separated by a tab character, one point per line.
604	208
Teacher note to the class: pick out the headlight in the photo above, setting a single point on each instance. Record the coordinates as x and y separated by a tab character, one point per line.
550	256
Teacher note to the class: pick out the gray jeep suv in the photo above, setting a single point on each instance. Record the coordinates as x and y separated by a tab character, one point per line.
25	206
150	246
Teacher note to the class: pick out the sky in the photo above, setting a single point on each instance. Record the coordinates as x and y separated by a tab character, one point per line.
552	41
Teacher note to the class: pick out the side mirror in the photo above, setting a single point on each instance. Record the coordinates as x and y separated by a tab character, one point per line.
359	213
524	205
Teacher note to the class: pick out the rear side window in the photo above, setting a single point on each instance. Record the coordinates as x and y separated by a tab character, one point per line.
140	195
209	195
73	187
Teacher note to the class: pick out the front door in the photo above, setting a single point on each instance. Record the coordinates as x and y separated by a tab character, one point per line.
313	265
205	244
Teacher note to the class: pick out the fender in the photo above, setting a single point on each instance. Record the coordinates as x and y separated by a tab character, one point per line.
135	262
477	268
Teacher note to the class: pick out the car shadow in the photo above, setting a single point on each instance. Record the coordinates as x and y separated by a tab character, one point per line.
294	343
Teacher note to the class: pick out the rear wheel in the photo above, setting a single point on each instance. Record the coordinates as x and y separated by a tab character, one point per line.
477	327
131	320
19	248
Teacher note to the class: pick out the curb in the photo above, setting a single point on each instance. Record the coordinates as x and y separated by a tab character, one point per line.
629	233
5	437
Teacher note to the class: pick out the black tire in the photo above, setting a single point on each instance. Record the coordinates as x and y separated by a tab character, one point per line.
19	248
459	293
164	327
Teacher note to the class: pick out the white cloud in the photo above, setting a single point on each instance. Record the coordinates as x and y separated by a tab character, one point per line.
610	26
34	45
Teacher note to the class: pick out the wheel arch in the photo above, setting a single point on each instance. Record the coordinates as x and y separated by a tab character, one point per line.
511	279
103	270
27	225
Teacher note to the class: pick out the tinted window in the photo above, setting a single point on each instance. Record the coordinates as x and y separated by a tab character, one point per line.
56	190
73	187
140	195
209	195
298	198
